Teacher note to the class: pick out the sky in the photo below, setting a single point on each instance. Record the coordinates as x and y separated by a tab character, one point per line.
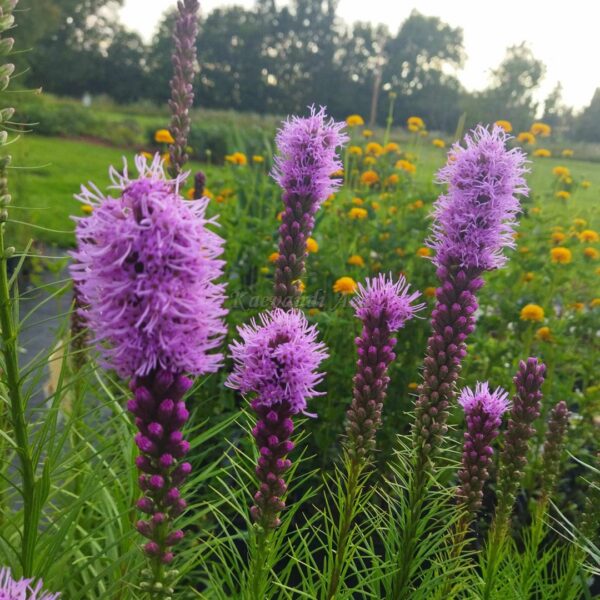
565	36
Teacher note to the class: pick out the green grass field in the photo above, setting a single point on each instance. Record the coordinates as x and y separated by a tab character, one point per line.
48	172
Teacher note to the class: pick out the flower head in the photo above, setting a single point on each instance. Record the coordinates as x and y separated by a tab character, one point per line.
307	155
163	136
354	121
278	359
506	125
532	312
493	403
475	219
23	589
525	137
369	177
345	286
382	297
561	255
145	267
589	235
541	129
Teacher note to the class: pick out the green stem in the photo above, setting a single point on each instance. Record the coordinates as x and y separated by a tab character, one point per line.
495	543
11	368
260	560
344	528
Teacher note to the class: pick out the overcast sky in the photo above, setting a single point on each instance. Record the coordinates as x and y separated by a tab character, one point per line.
565	35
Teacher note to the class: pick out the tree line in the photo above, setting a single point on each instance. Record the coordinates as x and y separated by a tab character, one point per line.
277	59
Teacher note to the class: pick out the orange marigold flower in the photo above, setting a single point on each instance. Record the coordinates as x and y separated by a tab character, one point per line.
358	213
355	121
355	151
532	312
356	260
506	125
369	177
525	137
561	171
345	285
544	334
429	292
163	136
273	257
424	251
374	149
438	143
541	129
406	165
311	245
589	235
591	253
558	237
561	255
542	153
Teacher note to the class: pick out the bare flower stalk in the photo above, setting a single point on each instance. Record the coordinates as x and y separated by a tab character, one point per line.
182	83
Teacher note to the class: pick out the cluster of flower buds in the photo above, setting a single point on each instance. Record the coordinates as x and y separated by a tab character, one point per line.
553	447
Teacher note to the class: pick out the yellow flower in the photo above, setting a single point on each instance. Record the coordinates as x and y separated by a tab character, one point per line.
585	184
356	261
147	155
406	165
391	147
369	178
424	251
415	123
358	213
88	209
429	292
367	133
190	194
166	158
355	151
523	249
280	215
589	235
345	285
567	153
529	276
563	194
541	129
312	246
393	179
313	312
542	153
257	159
532	312
560	171
536	210
355	121
273	257
393	210
525	137
506	125
558	237
163	136
300	286
358	201
418	204
264	270
544	334
374	149
237	158
438	143
561	255
413	385
595	302
591	253
579	222
369	161
578	306
338	173
375	205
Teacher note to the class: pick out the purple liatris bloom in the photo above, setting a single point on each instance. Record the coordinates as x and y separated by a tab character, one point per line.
146	267
383	305
182	83
22	589
304	168
473	222
525	409
475	219
483	412
276	361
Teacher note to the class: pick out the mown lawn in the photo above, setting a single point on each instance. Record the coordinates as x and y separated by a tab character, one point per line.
49	171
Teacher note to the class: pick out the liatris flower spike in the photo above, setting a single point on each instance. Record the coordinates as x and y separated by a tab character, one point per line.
558	424
525	409
22	589
383	305
473	222
146	267
304	168
276	361
182	83
483	412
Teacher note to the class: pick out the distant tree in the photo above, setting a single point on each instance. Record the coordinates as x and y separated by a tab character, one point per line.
588	123
419	60
511	94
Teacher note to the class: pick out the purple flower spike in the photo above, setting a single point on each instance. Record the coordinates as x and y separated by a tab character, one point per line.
475	219
182	83
483	412
23	589
383	306
277	361
558	424
304	168
145	269
525	409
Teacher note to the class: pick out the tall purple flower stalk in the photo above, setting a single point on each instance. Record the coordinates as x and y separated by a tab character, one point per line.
304	168
473	223
483	412
146	267
276	361
525	409
383	305
22	589
556	432
182	83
